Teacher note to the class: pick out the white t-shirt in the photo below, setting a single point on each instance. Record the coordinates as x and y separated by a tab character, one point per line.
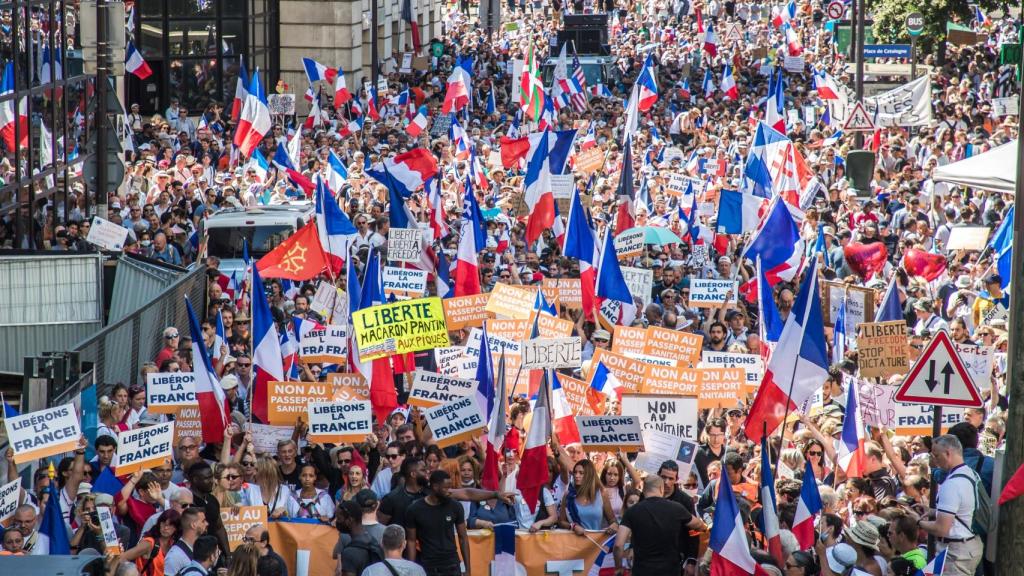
402	566
957	497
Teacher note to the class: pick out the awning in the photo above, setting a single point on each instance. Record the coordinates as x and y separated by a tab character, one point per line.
995	170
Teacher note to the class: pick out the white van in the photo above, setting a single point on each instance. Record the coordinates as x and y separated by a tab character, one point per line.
263	226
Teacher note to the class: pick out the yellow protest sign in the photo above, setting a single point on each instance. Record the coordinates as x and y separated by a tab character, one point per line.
400	327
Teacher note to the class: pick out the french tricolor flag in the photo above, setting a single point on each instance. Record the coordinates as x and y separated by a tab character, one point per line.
258	163
850	454
438	226
604	383
937	565
317	72
341	93
467	271
562	417
611	285
209	394
241	90
793	44
135	63
708	85
729	84
539	198
826	85
457	96
684	89
648	85
728	542
417	125
336	231
710	41
581	244
409	170
807	509
533	465
497	426
267	362
254	121
504	548
769	513
738	212
785	14
337	174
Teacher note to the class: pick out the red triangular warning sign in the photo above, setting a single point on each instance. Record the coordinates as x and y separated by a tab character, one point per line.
939	378
858	120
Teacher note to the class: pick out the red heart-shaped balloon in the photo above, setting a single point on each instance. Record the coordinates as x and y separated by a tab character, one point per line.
866	259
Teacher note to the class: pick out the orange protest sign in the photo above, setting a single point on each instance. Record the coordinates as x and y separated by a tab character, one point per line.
628	370
238	522
666	343
721	387
348	386
589	161
548	326
188	423
514	330
670	380
463	311
575	394
567	291
629	339
507	301
287	401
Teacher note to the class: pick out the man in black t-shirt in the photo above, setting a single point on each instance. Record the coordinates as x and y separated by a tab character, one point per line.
654	524
360	549
689	546
200	478
432	523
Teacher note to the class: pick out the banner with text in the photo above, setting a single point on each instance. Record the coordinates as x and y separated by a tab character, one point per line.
339	422
455	421
328	344
166	391
400	327
43	433
610	433
144	448
430	389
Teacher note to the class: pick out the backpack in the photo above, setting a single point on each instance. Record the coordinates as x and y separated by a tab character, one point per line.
374	553
982	519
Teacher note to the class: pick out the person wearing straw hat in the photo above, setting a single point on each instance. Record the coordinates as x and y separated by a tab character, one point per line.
863	537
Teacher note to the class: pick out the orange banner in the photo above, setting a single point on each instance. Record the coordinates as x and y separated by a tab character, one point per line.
721	387
629	339
628	370
463	311
567	291
507	301
670	380
666	343
288	401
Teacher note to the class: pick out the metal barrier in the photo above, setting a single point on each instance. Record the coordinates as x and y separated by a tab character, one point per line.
115	354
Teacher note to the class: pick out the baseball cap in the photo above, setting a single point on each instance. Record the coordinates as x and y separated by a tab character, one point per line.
365	498
229	382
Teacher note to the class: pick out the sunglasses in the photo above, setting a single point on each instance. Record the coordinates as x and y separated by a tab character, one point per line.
248	463
171	336
189	446
859	512
817	453
231	477
245	365
348	461
392	456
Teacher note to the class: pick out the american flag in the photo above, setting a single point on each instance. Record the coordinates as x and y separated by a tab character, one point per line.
578	85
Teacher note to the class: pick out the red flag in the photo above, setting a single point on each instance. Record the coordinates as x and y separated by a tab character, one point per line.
920	263
383	396
1014	488
866	259
513	151
300	257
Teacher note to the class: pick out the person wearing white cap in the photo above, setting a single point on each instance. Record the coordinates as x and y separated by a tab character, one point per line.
839	559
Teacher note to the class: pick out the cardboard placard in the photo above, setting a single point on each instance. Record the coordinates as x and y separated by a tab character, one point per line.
10	494
430	389
610	433
661	446
752	364
629	243
552	353
144	448
455	421
640	282
1006	106
288	401
882	349
338	422
721	387
448	359
978	360
675	415
188	423
43	433
967	238
405	244
238	521
567	292
562	185
589	161
404	282
575	394
400	327
508	301
876	403
670	380
166	391
667	343
107	235
706	293
328	344
860	304
514	330
626	339
323	299
111	543
463	311
348	386
628	370
266	437
793	64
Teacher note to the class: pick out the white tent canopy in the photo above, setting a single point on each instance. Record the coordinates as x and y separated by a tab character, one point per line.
995	170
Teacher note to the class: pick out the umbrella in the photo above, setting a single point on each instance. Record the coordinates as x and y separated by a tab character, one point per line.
656	235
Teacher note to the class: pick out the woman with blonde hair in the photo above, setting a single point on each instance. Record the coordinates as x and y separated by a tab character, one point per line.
243	560
356	482
111	413
275	495
584	506
227	489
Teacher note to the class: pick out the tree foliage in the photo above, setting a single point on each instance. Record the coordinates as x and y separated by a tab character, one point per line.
890	18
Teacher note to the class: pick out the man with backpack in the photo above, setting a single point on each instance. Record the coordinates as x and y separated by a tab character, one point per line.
394	564
193	526
205	554
955	522
359	548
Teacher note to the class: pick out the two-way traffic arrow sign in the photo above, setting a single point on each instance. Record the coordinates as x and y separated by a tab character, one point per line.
939	378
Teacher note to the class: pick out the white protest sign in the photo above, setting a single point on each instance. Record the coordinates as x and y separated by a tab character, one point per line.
447	359
111	544
328	344
495	343
430	389
794	64
640	282
662	446
338	422
9	495
455	421
144	448
265	437
752	363
629	244
705	293
167	391
915	419
1008	106
876	403
906	105
43	433
562	185
106	234
323	300
404	282
552	353
405	244
610	433
656	360
979	361
676	415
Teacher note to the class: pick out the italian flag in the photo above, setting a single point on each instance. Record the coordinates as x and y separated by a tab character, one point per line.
531	89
